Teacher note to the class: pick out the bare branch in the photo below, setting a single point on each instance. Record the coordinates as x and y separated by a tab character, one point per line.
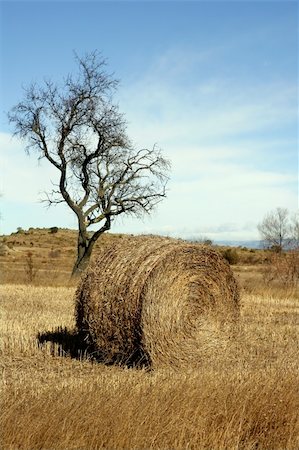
275	229
81	132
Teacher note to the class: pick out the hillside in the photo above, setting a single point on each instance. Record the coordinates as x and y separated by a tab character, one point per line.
50	254
46	255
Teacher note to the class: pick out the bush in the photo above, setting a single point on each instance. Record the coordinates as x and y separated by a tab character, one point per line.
30	268
231	255
283	268
204	240
53	230
276	249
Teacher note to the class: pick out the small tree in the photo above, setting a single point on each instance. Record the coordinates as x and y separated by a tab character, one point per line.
81	132
275	229
295	231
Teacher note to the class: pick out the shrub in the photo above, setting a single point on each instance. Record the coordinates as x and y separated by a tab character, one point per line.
53	230
231	255
30	268
283	268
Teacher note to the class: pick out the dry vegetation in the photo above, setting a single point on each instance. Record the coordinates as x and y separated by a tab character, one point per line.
52	255
243	394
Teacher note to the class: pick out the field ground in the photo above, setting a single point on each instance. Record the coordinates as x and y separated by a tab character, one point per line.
243	395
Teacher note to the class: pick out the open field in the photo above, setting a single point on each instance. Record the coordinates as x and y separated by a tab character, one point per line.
242	395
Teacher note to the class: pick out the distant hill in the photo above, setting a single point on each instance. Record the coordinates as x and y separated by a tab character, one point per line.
254	244
247	244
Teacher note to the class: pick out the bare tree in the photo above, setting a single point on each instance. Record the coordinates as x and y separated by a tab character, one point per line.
275	229
295	231
81	132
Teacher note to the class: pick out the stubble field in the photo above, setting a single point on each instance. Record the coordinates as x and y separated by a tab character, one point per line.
242	395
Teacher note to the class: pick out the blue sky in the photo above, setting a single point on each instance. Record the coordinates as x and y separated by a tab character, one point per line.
214	84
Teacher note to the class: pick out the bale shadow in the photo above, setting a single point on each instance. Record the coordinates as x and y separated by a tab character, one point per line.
65	343
71	343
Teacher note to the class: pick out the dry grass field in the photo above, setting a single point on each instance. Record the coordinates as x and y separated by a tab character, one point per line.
242	395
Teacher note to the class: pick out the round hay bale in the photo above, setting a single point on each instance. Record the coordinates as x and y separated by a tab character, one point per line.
152	298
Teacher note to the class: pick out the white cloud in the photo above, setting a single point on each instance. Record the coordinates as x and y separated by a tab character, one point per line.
23	182
23	177
158	112
181	99
221	138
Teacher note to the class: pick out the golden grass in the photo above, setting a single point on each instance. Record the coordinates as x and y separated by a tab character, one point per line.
53	256
242	397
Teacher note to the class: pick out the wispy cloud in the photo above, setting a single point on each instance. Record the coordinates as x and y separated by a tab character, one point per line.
221	112
226	141
23	182
23	178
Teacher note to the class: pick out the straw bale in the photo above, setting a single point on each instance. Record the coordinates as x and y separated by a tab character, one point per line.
152	297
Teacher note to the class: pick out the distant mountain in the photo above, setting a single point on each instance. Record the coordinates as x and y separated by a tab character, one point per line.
248	244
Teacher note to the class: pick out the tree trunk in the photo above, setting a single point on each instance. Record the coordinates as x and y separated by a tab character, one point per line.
85	247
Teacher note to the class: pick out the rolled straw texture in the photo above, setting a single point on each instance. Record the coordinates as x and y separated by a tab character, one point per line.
153	297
